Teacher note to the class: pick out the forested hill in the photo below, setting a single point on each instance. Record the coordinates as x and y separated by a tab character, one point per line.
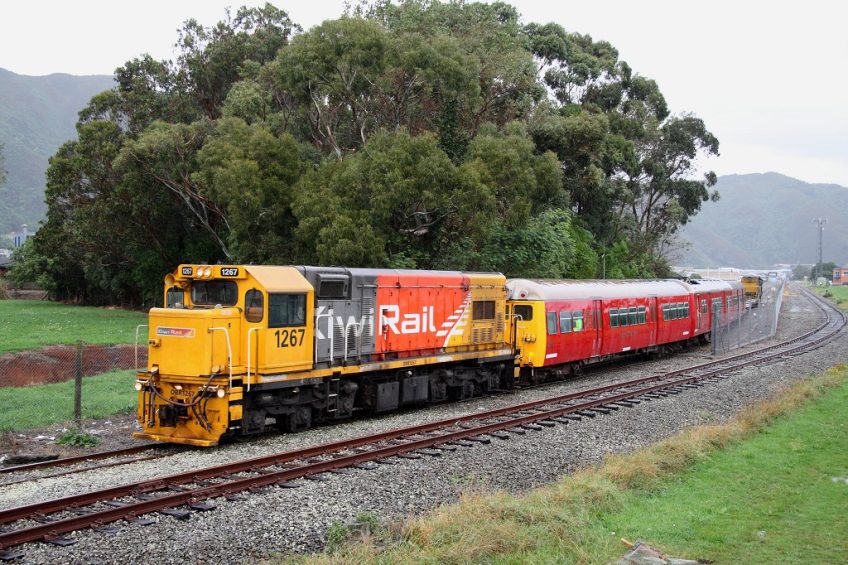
763	219
37	115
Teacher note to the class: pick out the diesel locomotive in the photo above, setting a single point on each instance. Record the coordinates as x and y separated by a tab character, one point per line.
241	348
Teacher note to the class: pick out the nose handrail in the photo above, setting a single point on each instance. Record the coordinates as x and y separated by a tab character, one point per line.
229	350
138	327
250	331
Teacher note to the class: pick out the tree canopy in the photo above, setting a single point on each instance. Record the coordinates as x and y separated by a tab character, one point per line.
414	134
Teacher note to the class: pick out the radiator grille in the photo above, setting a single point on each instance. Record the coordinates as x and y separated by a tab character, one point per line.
370	322
482	335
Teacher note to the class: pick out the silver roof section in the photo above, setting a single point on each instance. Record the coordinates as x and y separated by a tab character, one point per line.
526	289
713	285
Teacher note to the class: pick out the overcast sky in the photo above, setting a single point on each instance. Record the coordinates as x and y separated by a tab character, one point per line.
769	78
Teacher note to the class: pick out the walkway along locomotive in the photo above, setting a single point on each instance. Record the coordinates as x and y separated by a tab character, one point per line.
240	348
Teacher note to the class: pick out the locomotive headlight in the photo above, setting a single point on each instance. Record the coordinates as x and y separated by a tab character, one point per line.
207	272
221	392
139	385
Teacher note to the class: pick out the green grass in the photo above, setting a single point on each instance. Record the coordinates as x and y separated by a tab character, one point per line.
758	489
837	294
771	499
44	405
30	324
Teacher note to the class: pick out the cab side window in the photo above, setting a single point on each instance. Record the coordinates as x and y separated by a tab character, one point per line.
524	312
254	306
175	298
286	310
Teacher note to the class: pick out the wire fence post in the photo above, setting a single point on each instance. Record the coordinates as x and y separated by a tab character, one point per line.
78	388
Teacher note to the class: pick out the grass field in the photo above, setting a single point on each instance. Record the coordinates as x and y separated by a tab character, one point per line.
44	405
838	294
770	486
30	324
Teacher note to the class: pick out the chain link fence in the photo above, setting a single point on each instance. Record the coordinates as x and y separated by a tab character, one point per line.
751	324
66	384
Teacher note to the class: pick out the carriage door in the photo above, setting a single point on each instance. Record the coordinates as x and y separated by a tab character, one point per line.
653	318
598	322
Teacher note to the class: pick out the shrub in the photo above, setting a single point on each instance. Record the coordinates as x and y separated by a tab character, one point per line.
77	438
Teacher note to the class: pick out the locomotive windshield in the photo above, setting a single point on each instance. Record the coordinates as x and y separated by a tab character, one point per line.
210	293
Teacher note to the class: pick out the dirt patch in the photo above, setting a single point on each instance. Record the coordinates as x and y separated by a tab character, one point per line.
114	432
57	363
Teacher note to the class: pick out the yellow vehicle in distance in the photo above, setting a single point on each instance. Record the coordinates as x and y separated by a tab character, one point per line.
753	285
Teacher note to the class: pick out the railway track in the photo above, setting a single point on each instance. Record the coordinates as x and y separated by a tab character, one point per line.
180	494
159	451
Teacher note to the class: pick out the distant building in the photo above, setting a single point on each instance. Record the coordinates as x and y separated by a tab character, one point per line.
722	273
840	275
18	238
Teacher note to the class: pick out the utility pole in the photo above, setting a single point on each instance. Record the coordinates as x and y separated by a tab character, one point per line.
820	222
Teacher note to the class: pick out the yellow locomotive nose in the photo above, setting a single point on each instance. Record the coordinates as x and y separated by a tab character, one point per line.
182	398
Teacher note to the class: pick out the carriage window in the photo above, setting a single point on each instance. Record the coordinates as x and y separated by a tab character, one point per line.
483	310
632	317
254	306
685	309
564	322
208	293
286	310
642	311
666	312
175	298
552	327
524	312
613	317
577	320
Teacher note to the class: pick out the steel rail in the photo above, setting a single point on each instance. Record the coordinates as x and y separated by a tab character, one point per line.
79	458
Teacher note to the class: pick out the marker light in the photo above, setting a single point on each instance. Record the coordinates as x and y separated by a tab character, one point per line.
138	386
221	393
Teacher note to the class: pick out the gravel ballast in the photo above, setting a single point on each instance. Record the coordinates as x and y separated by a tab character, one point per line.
284	520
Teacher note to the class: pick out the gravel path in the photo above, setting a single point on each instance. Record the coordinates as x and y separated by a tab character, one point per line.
284	520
